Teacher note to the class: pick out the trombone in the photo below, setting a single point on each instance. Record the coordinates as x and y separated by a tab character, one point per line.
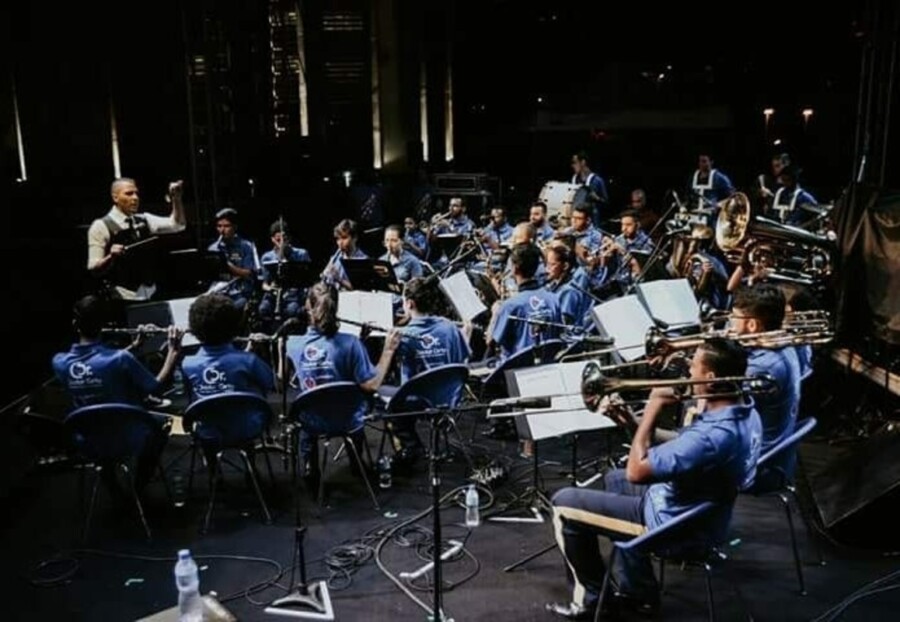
657	344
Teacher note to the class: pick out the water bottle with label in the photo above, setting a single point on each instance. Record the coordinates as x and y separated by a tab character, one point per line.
384	472
472	506
187	580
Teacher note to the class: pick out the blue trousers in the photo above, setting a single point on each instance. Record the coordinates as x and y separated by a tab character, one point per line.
580	515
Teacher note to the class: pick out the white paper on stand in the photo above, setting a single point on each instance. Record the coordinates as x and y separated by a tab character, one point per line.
459	289
376	308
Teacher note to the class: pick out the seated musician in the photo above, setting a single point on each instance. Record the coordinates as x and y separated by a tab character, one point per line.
531	302
280	300
346	236
414	239
457	223
323	355
790	198
406	264
499	231
218	366
238	280
428	341
587	242
711	460
647	216
96	374
537	216
801	300
574	302
709	185
617	253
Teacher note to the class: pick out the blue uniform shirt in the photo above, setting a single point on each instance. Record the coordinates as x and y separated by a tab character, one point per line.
545	233
241	253
226	369
640	243
530	302
499	235
787	205
319	359
777	410
430	342
458	226
710	460
417	238
95	374
407	267
574	303
714	188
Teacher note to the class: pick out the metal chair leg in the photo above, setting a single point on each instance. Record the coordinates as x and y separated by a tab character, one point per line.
90	509
251	469
799	565
348	442
137	501
165	483
811	539
322	472
709	592
339	452
662	575
213	485
191	472
605	587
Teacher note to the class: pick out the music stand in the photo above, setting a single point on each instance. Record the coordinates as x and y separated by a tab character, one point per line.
289	275
448	243
371	275
671	303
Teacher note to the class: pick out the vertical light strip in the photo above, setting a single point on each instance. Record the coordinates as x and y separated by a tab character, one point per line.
423	109
117	168
377	156
301	55
448	104
23	173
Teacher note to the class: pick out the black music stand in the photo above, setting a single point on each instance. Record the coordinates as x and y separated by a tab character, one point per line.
289	275
448	243
371	275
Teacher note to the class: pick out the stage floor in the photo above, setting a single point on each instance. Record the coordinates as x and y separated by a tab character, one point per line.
41	521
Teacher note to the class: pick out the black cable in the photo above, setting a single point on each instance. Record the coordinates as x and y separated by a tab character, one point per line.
869	589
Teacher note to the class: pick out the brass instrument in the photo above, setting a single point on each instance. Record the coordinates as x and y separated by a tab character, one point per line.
657	344
437	219
595	386
791	253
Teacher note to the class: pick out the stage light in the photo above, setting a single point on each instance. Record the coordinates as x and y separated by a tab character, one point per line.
348	177
768	112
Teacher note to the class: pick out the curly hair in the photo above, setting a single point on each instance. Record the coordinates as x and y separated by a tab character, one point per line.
214	319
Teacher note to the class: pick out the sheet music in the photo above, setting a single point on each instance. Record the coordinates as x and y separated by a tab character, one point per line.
376	308
626	320
459	289
671	301
179	308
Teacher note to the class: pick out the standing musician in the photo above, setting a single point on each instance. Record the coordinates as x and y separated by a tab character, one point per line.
710	460
406	265
499	231
323	355
414	239
96	374
531	302
537	216
790	197
218	366
238	280
709	185
770	184
276	296
574	303
583	175
346	236
109	237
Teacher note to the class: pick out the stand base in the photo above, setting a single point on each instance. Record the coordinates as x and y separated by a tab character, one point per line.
311	603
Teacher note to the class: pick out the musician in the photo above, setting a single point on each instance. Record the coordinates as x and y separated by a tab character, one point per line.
428	341
617	253
770	184
583	175
711	460
588	240
218	366
406	265
323	355
574	302
124	226
530	302
241	269
646	216
790	197
457	223
801	299
93	373
290	300
414	239
537	216
498	232
709	185
755	310
524	234
346	236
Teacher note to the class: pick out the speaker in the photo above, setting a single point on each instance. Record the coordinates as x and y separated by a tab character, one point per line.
856	489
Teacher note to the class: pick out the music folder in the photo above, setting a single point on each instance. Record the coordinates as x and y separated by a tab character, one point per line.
291	274
369	274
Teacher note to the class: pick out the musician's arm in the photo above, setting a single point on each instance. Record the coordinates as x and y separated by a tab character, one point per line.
98	238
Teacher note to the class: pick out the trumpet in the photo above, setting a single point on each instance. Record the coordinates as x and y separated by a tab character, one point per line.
657	344
595	386
438	218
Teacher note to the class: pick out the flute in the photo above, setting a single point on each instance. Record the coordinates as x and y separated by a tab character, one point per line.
371	326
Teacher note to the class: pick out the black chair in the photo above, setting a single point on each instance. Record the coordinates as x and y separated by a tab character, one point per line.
225	422
329	411
112	435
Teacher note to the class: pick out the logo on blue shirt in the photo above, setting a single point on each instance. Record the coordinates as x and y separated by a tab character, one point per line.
80	371
213	375
430	341
536	303
312	353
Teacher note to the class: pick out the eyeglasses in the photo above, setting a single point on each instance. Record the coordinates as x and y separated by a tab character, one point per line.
742	317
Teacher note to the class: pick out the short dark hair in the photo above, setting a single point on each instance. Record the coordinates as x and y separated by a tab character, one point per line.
279	226
802	299
347	227
396	229
584	208
541	205
724	357
422	294
633	214
563	253
764	302
526	258
228	213
90	314
323	304
214	319
583	156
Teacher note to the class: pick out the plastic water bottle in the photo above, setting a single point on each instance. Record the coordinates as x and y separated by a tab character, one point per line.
187	580
384	472
472	505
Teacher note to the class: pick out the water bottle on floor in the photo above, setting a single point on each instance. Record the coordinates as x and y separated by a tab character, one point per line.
384	472
472	507
187	580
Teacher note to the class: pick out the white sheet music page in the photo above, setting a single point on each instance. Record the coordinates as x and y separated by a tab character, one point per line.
626	320
375	308
459	289
179	309
671	301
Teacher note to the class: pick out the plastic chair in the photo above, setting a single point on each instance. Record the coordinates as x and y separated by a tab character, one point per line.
668	543
328	411
774	480
114	434
224	422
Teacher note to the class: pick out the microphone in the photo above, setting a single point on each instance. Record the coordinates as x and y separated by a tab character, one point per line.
522	402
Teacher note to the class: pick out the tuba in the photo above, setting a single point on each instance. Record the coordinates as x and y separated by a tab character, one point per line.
791	254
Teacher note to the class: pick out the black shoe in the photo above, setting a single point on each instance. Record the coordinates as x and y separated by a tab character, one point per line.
624	602
570	611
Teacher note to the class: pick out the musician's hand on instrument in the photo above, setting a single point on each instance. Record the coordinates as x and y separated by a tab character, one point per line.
706	266
174	336
392	341
614	407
